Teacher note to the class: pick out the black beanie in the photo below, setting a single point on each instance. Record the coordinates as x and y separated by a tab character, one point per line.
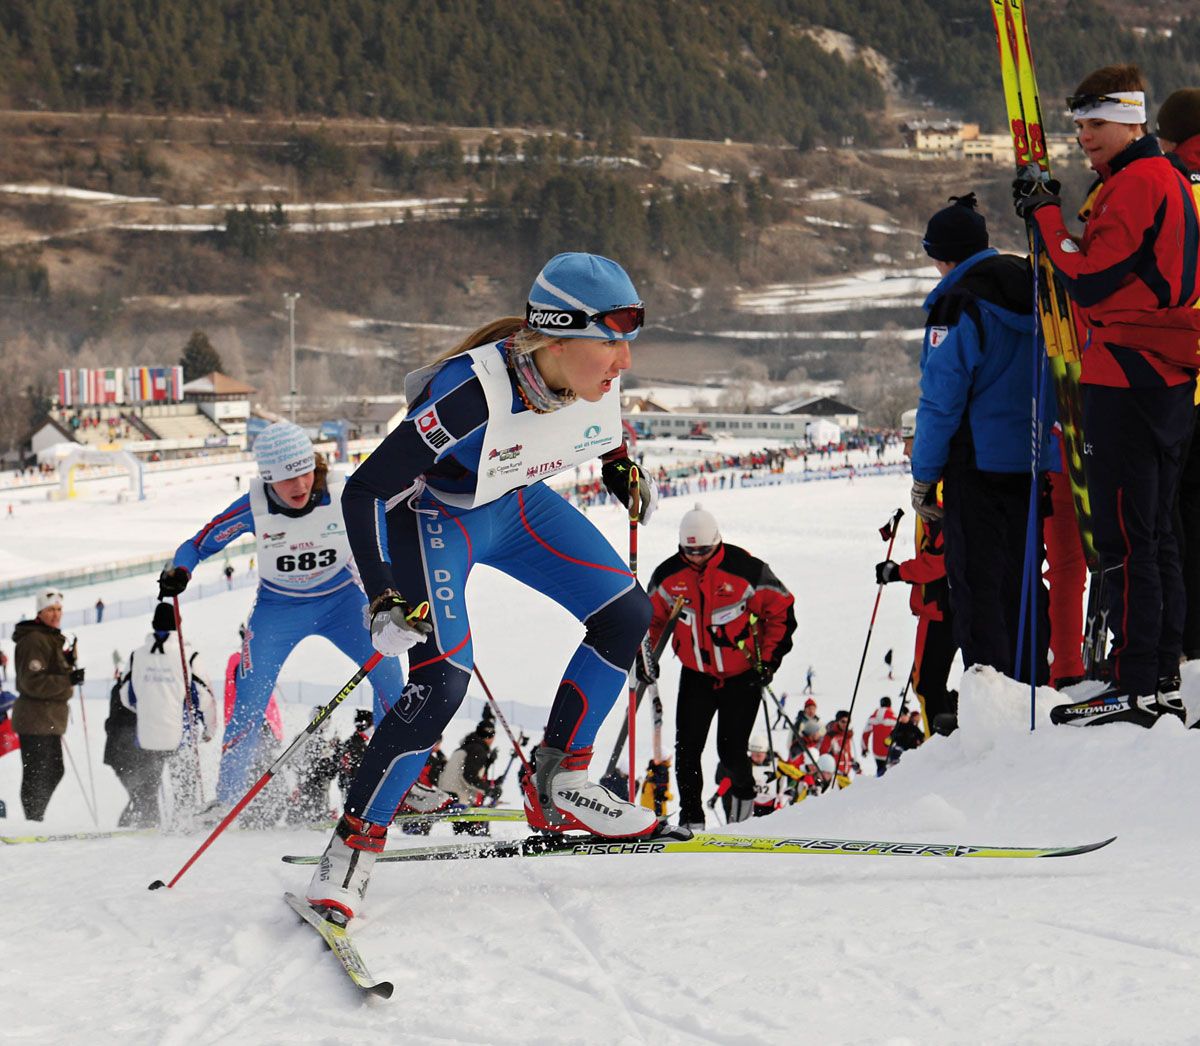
1179	115
164	618
956	232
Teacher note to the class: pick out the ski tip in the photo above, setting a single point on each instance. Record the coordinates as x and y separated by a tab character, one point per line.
158	884
382	989
1086	848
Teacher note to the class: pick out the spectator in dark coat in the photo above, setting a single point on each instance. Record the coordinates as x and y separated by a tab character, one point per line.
45	677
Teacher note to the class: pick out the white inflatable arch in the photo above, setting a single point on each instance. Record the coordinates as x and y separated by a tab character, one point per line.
67	459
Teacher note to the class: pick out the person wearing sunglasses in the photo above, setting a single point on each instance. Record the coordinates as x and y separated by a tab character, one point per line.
462	480
1134	277
731	637
46	675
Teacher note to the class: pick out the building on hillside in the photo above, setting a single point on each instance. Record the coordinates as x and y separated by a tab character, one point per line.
841	414
948	139
372	418
225	400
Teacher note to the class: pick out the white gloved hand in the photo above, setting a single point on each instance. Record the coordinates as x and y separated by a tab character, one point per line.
649	493
395	627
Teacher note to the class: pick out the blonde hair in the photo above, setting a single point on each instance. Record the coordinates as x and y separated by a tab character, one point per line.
523	340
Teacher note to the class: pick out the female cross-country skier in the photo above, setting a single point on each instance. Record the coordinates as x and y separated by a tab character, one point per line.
460	482
305	588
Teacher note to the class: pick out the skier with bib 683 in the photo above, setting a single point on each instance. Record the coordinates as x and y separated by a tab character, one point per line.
460	482
306	587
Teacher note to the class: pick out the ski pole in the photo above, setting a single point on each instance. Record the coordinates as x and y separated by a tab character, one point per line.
499	782
82	791
193	744
503	722
87	741
420	611
635	503
656	653
888	532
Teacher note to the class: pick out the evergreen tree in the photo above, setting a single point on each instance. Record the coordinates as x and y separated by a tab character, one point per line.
199	357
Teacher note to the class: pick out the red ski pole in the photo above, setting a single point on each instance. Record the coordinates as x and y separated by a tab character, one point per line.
421	611
503	722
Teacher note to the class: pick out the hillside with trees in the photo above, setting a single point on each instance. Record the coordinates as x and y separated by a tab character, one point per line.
715	148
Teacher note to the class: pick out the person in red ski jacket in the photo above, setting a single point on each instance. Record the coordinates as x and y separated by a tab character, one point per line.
877	736
734	630
929	600
1134	276
839	743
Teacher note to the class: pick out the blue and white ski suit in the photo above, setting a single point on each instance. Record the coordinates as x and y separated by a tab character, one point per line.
458	482
306	588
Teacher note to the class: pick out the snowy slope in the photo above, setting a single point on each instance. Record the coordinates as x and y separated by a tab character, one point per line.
677	949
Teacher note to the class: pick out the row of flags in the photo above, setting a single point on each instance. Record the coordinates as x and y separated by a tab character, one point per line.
95	386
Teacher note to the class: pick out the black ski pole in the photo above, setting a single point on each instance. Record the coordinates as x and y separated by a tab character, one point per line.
888	533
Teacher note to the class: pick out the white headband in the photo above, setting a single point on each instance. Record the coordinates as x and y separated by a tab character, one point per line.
1125	107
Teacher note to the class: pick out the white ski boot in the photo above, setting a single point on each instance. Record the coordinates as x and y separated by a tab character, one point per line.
560	798
342	877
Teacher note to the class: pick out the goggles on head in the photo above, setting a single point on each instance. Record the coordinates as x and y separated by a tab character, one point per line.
696	550
1120	106
623	320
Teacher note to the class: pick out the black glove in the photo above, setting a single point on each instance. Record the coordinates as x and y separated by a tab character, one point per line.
493	790
172	581
76	676
765	674
1030	192
615	475
887	572
645	665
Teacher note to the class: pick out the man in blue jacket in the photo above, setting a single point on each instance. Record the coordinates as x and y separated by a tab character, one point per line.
974	432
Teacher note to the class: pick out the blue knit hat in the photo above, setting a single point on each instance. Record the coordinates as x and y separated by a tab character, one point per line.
283	451
572	288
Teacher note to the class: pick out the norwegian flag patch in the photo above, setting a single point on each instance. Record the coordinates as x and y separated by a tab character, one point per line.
937	335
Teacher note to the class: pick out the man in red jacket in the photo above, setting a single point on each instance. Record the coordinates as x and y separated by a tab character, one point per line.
1133	275
735	627
877	736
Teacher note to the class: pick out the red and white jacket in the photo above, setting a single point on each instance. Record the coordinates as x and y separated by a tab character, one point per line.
1135	274
719	600
878	732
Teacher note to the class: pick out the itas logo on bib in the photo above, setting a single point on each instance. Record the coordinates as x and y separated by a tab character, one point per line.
429	427
543	468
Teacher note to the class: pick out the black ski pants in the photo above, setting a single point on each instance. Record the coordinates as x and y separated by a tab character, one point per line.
1187	534
41	770
1136	440
141	775
985	533
736	703
935	650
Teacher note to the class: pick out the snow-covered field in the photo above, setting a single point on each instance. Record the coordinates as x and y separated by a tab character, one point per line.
674	949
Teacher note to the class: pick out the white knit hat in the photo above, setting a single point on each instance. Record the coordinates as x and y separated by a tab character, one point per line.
47	597
698	529
283	451
908	424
